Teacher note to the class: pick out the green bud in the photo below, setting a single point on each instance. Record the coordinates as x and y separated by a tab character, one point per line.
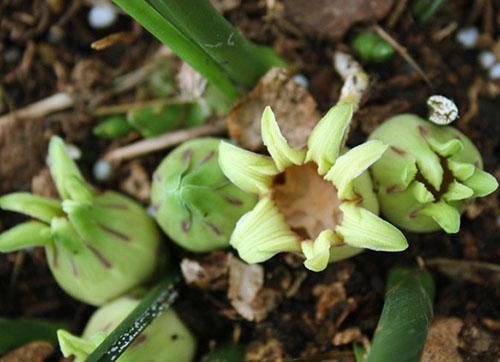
371	48
166	339
428	174
154	120
194	203
113	127
91	238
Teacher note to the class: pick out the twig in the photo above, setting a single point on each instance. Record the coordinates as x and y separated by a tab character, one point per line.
149	145
443	33
399	8
54	103
401	51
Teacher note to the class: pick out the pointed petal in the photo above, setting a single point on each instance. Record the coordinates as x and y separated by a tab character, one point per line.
282	154
444	148
482	183
247	170
25	235
262	233
328	137
317	252
38	207
352	164
457	191
445	215
62	166
343	252
396	169
78	347
362	229
421	193
461	170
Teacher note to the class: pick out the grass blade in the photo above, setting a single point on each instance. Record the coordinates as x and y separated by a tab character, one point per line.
190	52
160	298
243	61
402	329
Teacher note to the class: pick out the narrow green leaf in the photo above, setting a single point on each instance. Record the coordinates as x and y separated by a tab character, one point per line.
160	298
186	49
402	329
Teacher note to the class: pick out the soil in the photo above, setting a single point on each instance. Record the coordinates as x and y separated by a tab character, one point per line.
45	49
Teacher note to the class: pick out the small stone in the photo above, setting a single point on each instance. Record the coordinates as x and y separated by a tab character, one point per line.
494	72
468	36
301	80
102	16
102	170
442	111
487	59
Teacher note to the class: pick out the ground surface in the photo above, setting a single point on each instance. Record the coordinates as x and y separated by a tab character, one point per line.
45	49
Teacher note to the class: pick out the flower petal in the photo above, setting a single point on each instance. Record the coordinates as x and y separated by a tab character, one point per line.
282	154
421	193
461	170
249	171
62	168
352	164
262	233
38	207
25	235
457	191
317	252
327	137
363	229
482	183
396	169
445	215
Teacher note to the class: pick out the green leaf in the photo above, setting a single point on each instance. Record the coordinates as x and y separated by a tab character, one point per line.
113	127
160	298
402	329
17	332
226	353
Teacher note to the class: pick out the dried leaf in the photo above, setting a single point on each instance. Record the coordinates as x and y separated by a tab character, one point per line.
442	341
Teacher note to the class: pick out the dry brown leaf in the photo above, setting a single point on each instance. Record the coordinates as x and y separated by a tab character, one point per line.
442	341
329	296
247	293
208	272
333	18
347	336
294	107
137	183
37	351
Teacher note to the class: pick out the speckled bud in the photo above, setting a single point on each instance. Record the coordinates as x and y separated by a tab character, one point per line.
194	203
166	339
99	245
428	174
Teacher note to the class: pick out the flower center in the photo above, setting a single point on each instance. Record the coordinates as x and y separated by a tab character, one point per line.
309	203
447	180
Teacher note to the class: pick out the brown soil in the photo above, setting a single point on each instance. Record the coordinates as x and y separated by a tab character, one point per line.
45	49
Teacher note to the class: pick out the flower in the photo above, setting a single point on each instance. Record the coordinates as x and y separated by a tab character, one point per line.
428	175
91	238
166	339
317	202
193	202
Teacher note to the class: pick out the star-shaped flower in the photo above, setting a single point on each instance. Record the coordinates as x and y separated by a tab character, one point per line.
317	202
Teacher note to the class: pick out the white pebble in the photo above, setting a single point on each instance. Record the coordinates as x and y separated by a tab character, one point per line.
487	59
301	80
494	72
468	36
102	170
102	16
442	111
